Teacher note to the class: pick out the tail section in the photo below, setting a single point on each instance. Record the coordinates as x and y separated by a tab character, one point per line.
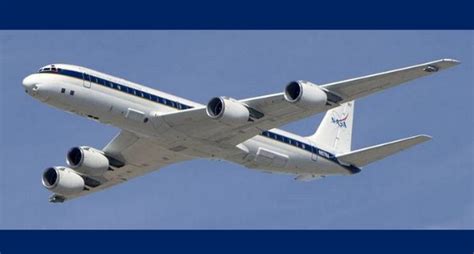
368	155
334	134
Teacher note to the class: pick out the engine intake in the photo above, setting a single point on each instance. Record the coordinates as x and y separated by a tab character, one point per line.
305	94
293	91
228	111
87	160
62	180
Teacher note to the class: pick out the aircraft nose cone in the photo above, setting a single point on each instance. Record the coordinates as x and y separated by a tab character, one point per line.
29	82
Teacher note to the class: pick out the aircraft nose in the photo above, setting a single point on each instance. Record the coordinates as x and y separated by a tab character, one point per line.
31	85
29	82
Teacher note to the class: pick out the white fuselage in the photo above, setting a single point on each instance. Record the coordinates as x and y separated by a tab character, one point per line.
137	108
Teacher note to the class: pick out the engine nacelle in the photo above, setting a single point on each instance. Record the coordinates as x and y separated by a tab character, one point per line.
62	180
227	111
87	160
305	94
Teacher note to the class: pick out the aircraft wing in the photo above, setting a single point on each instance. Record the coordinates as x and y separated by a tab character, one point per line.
359	87
273	110
133	156
197	124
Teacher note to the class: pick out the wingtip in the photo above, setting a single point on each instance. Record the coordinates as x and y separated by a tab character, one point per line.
451	60
425	137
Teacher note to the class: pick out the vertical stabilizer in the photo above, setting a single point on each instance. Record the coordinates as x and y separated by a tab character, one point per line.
334	134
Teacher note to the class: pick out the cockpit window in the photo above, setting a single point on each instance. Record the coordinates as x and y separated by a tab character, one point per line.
49	68
45	69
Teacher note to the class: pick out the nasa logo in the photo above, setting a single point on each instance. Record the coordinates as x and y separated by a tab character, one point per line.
341	122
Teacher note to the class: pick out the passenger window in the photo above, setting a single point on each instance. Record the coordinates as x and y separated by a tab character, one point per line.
71	92
63	90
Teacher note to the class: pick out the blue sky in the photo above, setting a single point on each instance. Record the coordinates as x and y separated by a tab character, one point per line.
428	186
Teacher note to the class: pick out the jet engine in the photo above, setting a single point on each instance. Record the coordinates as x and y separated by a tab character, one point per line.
228	111
87	160
305	94
62	180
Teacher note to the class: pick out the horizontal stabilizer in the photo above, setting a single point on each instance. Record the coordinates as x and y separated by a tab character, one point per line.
368	155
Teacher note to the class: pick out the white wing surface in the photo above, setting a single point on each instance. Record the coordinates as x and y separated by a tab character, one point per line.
274	110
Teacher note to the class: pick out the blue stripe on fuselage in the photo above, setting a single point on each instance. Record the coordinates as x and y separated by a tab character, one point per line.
119	87
309	148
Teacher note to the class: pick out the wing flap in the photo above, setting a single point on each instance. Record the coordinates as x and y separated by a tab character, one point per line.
368	155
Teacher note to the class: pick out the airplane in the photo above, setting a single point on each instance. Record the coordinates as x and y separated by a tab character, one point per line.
158	129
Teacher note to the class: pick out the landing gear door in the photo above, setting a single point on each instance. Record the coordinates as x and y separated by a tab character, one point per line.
86	80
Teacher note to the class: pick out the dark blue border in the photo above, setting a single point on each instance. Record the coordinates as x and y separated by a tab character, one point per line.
243	14
324	241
